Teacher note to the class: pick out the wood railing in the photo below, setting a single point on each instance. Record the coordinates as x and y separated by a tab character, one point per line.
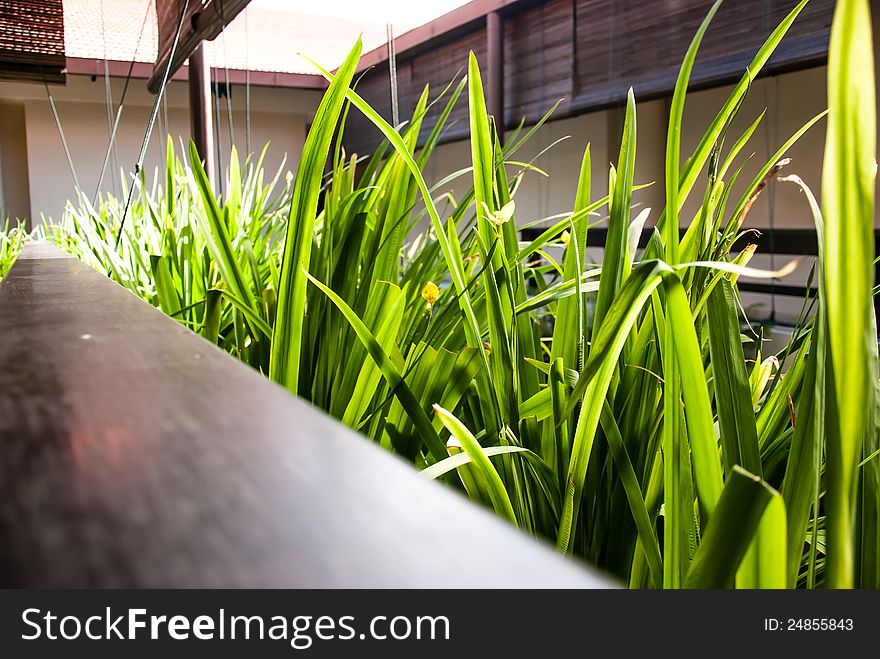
135	454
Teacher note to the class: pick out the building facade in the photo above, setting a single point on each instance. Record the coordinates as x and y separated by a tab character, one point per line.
583	54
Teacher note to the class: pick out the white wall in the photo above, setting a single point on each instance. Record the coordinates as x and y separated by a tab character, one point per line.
538	196
282	115
14	187
279	116
791	100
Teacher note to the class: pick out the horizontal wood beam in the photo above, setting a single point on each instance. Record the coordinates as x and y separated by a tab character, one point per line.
790	242
136	454
143	70
202	20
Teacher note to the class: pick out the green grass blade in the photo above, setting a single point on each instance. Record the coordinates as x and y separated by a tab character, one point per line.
764	566
386	304
571	320
593	383
646	534
868	510
499	305
169	300
733	398
453	261
676	556
615	261
217	233
211	318
390	371
800	485
848	211
730	531
692	168
288	331
743	202
801	472
443	467
481	151
673	139
497	492
698	411
256	322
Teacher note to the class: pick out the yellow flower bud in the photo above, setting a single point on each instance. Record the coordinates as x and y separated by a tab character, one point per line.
501	216
747	254
565	237
430	293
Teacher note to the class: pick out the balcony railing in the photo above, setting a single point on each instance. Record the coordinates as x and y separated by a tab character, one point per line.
135	454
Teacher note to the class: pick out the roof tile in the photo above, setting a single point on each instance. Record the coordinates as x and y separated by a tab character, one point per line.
258	39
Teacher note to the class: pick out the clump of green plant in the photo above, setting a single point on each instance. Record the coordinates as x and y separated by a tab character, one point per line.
164	251
634	433
12	239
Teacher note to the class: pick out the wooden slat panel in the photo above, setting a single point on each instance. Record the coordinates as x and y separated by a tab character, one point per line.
437	68
539	48
32	40
589	52
639	44
135	454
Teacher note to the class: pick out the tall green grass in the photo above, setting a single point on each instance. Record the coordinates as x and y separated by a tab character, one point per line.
608	408
12	239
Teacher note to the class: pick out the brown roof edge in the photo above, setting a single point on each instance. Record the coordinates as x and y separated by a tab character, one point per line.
463	19
202	21
143	71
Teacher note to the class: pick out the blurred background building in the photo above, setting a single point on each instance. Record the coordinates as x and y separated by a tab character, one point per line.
583	54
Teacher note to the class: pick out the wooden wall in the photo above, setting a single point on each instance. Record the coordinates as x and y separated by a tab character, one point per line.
589	52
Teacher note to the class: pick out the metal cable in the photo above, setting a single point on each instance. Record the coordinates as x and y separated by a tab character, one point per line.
152	121
112	142
61	133
226	73
108	99
392	74
218	146
247	84
770	137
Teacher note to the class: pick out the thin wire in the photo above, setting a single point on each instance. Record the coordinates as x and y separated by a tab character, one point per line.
108	100
165	126
218	146
112	141
228	100
392	74
61	133
152	122
770	140
247	84
544	199
226	70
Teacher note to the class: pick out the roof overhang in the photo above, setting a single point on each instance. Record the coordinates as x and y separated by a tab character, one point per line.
32	40
144	70
202	20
